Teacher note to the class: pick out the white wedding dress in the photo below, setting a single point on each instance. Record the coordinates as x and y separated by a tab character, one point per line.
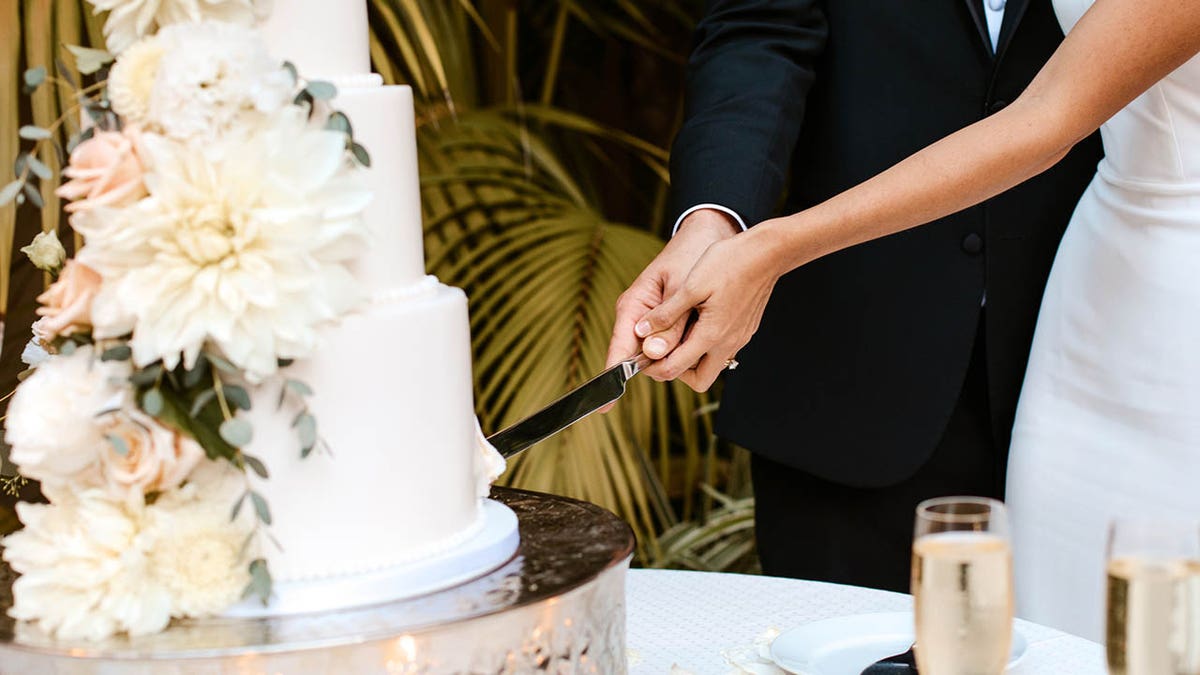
1109	419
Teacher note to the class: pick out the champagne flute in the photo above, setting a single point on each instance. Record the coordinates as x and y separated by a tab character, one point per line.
962	586
1153	598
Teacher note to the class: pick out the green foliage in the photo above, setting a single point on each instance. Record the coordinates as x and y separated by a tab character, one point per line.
516	192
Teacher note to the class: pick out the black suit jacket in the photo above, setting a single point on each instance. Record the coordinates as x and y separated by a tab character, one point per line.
861	355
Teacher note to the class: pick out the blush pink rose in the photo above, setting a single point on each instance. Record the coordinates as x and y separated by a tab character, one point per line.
67	305
156	458
105	170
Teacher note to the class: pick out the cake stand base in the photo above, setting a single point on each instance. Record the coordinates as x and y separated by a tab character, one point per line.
558	607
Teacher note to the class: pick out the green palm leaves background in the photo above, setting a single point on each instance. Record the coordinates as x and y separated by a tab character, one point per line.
542	131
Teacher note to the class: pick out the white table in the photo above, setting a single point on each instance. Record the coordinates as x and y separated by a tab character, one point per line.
687	619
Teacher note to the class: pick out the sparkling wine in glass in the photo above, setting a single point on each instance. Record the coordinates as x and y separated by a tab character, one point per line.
1153	598
962	586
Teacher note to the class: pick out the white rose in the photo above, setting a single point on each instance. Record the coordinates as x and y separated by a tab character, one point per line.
46	252
154	457
52	423
84	571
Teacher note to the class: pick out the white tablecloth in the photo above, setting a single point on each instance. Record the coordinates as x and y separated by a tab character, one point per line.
687	619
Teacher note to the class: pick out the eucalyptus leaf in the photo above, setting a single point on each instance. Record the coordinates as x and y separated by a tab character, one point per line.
237	396
34	77
39	168
237	432
299	388
147	376
31	132
119	445
88	60
118	353
65	73
306	431
67	348
261	508
202	399
260	582
291	69
33	195
237	507
339	122
10	191
192	378
321	90
256	465
152	402
360	153
222	364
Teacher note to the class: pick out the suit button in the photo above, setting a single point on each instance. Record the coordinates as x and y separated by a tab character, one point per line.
997	106
973	244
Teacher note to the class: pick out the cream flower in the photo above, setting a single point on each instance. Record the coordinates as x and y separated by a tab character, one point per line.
67	305
46	252
195	551
244	246
84	571
153	458
130	20
214	79
105	170
52	422
131	80
92	566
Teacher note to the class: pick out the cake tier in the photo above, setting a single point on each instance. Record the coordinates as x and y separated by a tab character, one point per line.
393	402
325	39
383	122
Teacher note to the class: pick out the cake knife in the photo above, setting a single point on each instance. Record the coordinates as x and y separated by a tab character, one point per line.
577	404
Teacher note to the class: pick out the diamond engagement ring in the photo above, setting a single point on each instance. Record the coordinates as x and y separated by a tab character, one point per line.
731	364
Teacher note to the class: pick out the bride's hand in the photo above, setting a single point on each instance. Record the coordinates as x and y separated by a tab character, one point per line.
728	288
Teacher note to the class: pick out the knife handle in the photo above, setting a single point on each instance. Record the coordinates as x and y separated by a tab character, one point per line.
635	364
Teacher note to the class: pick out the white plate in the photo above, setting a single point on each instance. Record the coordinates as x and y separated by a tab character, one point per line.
848	644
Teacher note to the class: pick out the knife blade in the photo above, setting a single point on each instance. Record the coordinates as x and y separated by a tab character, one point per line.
577	404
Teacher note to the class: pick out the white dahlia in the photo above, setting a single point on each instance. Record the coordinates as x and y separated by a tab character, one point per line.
210	79
84	572
195	551
54	424
244	245
130	20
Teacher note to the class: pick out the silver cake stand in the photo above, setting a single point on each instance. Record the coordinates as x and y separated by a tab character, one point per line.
557	607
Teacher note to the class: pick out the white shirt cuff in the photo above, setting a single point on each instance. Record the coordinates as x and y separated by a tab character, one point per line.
716	207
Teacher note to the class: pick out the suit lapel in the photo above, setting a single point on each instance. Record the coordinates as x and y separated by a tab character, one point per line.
1014	11
975	7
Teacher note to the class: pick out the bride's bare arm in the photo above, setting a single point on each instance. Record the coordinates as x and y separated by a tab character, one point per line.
1117	51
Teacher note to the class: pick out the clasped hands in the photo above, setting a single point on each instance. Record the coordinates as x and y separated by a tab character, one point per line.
698	302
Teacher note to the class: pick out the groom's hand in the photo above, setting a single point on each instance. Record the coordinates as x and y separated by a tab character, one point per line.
661	278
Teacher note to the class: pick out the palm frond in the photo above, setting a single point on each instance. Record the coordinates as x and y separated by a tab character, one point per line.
507	221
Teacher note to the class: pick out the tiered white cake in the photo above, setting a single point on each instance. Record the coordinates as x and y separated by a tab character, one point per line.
396	506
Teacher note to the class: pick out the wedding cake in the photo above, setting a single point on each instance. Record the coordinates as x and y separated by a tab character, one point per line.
405	477
246	397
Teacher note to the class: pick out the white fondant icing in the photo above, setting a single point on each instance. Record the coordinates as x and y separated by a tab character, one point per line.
489	547
393	399
383	123
325	39
401	486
